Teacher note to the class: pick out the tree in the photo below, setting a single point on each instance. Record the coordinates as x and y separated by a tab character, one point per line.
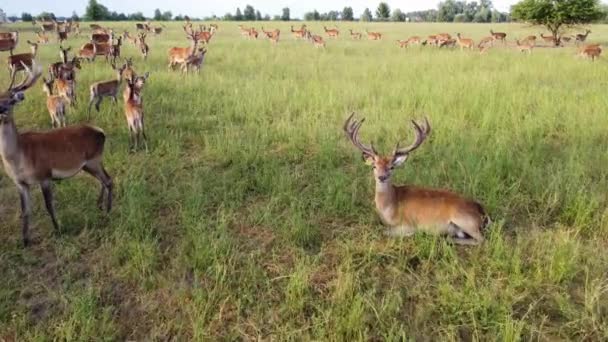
447	10
347	14
75	16
2	16
238	16
309	16
285	15
460	18
267	17
398	15
137	16
367	15
249	13
258	15
383	12
557	14
46	16
26	16
228	17
157	14
96	11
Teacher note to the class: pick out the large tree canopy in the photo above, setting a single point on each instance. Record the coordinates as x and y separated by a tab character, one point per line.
556	14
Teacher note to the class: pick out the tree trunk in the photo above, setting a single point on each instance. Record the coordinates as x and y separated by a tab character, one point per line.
556	37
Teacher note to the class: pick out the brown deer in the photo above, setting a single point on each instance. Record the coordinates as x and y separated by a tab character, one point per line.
332	33
299	34
88	52
8	41
415	40
55	104
524	47
355	35
274	36
530	40
317	41
143	47
486	41
100	90
253	33
244	31
407	209
592	51
139	81
34	158
464	43
268	34
42	38
550	39
195	60
17	61
179	55
135	119
66	89
447	43
431	40
133	40
115	49
373	35
499	36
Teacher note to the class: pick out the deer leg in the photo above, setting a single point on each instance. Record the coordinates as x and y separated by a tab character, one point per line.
143	134
400	231
24	196
47	193
95	168
99	99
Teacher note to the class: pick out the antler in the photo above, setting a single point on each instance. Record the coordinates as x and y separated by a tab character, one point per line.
421	134
351	129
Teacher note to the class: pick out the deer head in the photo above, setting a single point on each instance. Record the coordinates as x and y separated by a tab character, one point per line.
15	93
384	165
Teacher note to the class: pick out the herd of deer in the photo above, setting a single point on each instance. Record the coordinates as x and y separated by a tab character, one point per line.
38	158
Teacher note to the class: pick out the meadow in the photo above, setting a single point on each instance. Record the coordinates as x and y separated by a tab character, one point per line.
252	217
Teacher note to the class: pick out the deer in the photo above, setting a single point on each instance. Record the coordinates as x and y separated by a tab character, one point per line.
42	38
431	40
415	40
139	81
525	47
143	47
179	55
61	36
549	39
530	40
592	51
332	33
101	38
38	158
299	34
355	35
253	33
485	40
581	37
406	208
373	35
100	49
245	32
88	52
443	36
205	35
95	27
16	62
447	43
133	40
268	34
464	42
8	41
317	41
66	89
55	104
499	36
99	90
195	60
115	49
128	73
274	36
135	119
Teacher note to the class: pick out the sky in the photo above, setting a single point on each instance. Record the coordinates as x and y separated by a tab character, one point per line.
203	8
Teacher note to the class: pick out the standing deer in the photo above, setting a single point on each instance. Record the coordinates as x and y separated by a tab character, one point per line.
464	42
179	55
331	33
135	119
143	47
55	104
373	35
99	90
34	158
526	46
16	62
582	37
299	34
355	35
407	209
592	51
499	36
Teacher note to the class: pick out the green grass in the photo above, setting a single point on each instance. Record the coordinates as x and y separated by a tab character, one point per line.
252	216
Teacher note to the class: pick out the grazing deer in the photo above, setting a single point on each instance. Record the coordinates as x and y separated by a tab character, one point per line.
332	33
499	36
407	209
88	52
55	104
253	33
179	55
99	90
464	42
33	158
195	60
299	34
355	35
485	41
373	35
530	40
524	47
581	37
415	40
447	43
42	38
484	49
317	41
431	40
143	47
135	119
101	38
244	31
592	51
16	62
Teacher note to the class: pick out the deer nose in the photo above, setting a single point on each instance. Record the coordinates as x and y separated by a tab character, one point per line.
383	178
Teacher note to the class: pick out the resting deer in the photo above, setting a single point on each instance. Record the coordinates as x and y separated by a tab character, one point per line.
464	43
99	90
332	33
135	119
55	104
582	37
407	209
499	36
34	158
180	55
355	35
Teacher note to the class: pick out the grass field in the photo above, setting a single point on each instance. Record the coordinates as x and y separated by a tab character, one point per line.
252	217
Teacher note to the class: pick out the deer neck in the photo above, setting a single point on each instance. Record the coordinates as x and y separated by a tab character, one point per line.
9	142
385	199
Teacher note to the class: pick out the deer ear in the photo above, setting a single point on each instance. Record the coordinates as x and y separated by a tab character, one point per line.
399	160
146	75
367	159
